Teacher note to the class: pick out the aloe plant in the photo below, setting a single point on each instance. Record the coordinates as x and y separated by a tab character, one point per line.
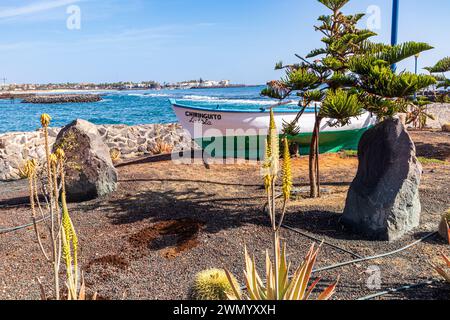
62	237
441	270
278	285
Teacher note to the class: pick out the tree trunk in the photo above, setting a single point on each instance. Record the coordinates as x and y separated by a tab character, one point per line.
317	157
314	161
294	149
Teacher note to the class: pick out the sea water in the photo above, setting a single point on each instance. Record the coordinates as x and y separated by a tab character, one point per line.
128	107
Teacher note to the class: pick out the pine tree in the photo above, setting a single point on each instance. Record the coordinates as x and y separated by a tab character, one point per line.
438	72
348	76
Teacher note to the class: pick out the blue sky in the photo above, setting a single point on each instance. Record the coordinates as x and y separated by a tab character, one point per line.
174	40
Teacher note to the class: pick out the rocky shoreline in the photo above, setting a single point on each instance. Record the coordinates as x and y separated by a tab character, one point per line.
127	141
62	98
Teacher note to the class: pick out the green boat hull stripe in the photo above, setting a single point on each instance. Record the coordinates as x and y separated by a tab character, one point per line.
252	148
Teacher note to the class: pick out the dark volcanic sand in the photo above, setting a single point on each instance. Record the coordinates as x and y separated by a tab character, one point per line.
167	222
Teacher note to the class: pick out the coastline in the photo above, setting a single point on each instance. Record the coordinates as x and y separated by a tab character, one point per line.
54	91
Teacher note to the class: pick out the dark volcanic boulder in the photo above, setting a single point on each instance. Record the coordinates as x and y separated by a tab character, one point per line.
383	201
89	169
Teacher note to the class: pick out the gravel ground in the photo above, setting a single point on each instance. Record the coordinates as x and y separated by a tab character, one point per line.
167	222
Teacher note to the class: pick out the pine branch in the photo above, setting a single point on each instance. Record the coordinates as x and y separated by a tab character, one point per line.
395	54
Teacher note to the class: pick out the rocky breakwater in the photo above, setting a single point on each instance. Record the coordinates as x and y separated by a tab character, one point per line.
11	96
62	98
127	142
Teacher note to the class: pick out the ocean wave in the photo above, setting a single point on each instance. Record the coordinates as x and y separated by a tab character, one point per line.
150	95
158	95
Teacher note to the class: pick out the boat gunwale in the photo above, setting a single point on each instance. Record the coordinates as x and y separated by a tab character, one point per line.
258	111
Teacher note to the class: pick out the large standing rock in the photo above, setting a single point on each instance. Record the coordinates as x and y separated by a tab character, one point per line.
383	201
89	170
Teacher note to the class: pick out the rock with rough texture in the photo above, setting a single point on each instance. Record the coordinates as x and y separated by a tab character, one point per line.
90	172
383	201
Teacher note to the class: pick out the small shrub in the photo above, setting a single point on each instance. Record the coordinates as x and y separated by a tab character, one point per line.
349	154
212	284
161	148
424	160
115	155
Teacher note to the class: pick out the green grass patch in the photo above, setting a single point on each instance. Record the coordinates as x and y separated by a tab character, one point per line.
424	160
349	154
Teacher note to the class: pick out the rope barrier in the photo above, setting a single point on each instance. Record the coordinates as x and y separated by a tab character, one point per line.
383	255
324	242
407	287
13	229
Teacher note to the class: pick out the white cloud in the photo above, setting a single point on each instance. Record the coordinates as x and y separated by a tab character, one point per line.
139	36
34	8
143	34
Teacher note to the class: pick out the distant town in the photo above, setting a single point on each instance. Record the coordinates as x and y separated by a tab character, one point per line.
145	85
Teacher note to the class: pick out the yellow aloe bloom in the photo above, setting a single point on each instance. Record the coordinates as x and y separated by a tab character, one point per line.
28	169
274	144
45	120
287	171
272	124
60	154
266	172
70	249
53	159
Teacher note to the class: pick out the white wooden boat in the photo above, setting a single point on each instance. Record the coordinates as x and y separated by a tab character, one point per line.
242	133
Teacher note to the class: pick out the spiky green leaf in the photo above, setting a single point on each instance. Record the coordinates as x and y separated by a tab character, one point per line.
441	66
340	105
395	54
